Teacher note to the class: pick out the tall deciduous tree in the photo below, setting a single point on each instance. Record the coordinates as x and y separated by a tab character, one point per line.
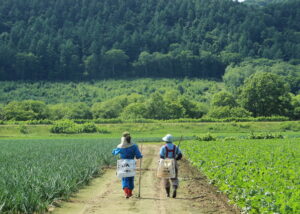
265	94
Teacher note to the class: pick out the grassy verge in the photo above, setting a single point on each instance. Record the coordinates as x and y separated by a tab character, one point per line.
144	130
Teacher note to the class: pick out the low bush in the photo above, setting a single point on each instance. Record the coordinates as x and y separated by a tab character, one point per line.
206	137
265	136
70	127
65	127
214	127
24	129
103	131
229	138
289	126
273	118
89	128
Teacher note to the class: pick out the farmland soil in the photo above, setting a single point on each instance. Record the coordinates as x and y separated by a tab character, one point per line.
105	195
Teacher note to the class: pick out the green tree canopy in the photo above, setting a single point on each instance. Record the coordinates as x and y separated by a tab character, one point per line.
193	109
134	111
265	94
235	75
26	110
227	112
296	106
116	60
75	40
156	107
223	98
108	109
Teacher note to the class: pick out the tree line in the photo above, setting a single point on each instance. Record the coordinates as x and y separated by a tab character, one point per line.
84	40
262	94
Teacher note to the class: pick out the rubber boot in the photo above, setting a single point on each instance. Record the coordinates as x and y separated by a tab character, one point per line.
126	191
168	191
174	192
129	192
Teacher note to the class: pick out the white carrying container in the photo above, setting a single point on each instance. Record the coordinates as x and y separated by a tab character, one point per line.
126	168
166	168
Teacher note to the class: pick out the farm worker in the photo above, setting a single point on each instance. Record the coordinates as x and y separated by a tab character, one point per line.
127	150
170	150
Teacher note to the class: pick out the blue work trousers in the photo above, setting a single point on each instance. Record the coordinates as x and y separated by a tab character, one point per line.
128	182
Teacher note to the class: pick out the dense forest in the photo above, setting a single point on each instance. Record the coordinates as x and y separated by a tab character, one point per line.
84	40
262	2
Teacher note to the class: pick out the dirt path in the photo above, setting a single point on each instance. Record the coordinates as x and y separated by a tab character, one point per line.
105	195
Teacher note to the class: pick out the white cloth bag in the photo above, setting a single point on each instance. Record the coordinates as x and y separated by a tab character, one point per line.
166	168
126	168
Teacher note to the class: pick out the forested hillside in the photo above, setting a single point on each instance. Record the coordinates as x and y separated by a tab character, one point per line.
263	2
84	40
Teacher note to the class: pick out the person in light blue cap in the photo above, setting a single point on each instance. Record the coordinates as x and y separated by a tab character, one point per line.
127	150
170	150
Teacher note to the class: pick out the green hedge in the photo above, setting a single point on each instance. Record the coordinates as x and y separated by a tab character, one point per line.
70	127
118	120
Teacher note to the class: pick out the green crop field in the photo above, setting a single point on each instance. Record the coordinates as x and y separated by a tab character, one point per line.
34	173
38	168
260	176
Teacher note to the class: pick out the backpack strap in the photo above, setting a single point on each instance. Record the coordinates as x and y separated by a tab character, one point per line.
170	150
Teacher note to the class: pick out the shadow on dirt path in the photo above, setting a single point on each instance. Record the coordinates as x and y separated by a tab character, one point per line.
104	195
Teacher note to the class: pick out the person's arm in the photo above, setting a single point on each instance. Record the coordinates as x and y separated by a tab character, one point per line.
137	152
162	153
116	151
179	154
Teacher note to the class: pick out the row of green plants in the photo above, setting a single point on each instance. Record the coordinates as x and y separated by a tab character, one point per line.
249	130
252	136
265	136
37	173
119	120
260	176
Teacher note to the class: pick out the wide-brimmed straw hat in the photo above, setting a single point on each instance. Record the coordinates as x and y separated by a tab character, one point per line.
124	143
168	138
125	134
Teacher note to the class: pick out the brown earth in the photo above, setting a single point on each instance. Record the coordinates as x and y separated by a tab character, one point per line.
105	194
